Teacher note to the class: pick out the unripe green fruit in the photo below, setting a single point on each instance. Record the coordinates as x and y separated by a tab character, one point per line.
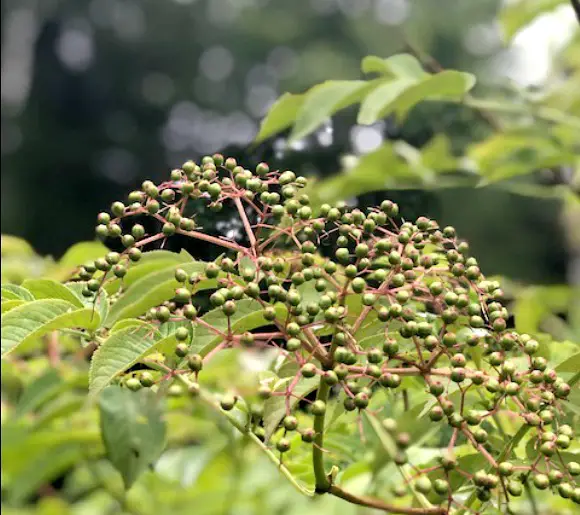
181	350
441	486
308	370
318	408
146	379
290	423
423	485
228	402
133	384
390	380
308	435
195	362
182	295
175	390
182	334
283	445
541	481
514	488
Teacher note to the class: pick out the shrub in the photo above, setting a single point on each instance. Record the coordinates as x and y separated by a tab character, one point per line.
357	314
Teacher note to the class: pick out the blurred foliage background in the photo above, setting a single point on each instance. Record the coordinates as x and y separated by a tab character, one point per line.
99	95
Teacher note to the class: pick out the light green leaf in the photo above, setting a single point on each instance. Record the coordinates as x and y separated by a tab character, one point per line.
38	392
82	252
15	292
130	322
151	261
51	289
133	430
280	116
447	85
376	102
572	364
34	319
7	305
247	317
325	99
101	303
121	350
150	291
399	65
516	15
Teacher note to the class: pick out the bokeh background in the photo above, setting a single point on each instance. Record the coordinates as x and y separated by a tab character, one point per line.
98	95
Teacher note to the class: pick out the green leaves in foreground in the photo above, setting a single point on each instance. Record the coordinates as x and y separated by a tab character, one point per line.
402	83
132	429
32	320
121	350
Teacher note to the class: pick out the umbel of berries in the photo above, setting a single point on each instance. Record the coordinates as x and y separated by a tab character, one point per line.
381	326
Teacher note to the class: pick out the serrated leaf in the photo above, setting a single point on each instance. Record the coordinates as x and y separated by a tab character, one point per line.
101	300
248	316
281	115
130	322
34	319
51	289
325	99
399	65
275	406
133	430
16	292
149	291
121	350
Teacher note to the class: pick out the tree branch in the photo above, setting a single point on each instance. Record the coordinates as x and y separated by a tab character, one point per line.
381	505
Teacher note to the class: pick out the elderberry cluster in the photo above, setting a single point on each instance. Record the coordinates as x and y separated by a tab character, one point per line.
355	302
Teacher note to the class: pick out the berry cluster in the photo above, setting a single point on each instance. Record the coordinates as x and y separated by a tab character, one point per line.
357	301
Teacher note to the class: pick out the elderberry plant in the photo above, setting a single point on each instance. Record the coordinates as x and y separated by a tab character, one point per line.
355	312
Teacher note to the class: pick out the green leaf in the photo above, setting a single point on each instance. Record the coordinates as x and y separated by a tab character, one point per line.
572	364
248	316
51	289
101	303
280	116
121	350
151	261
506	155
325	99
82	252
133	430
275	406
38	392
34	319
399	65
15	292
448	84
149	291
130	322
374	171
517	15
33	459
7	305
377	102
